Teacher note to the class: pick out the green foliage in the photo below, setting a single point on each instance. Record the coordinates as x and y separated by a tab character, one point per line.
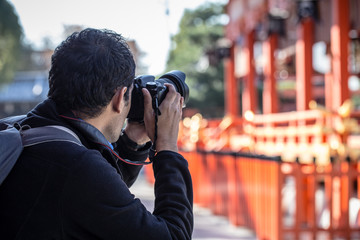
10	41
200	29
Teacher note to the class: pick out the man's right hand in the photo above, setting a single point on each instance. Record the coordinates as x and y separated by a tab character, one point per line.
168	121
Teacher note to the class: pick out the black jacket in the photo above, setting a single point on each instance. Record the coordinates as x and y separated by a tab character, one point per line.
59	190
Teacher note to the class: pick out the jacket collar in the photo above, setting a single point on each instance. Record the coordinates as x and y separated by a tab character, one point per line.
48	112
90	132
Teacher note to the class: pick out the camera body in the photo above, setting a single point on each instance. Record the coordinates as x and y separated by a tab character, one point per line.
158	92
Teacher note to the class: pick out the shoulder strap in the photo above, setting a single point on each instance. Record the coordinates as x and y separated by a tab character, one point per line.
10	150
51	133
13	141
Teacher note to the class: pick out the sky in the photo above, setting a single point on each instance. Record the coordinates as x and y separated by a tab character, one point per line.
144	21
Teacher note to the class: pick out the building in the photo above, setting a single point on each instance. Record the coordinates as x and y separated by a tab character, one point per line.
24	93
278	163
292	51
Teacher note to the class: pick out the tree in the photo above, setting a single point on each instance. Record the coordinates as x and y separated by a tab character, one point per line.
199	32
10	41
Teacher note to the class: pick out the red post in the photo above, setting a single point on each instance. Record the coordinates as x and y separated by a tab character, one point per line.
304	70
329	91
211	162
231	90
270	98
249	92
329	193
339	50
345	197
232	209
242	210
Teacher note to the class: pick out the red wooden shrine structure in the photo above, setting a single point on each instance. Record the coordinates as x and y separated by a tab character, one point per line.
284	161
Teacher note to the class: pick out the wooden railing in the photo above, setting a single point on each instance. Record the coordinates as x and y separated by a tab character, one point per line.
292	175
302	136
279	200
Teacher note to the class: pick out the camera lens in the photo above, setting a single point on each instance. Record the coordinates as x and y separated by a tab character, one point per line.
177	79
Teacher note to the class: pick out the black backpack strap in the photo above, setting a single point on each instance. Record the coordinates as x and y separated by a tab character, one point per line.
10	150
13	141
51	133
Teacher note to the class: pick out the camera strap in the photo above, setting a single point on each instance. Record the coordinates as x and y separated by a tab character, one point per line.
152	152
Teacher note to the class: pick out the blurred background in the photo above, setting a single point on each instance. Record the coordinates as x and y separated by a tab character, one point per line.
163	35
271	130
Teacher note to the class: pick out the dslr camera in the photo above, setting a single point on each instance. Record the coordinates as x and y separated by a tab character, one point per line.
157	90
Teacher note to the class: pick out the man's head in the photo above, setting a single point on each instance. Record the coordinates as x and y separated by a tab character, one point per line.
88	68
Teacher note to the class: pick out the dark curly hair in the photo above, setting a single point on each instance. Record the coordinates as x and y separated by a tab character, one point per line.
87	68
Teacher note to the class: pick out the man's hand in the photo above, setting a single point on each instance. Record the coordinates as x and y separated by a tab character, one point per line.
136	132
168	121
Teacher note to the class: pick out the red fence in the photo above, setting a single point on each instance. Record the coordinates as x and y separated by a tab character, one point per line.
285	186
279	200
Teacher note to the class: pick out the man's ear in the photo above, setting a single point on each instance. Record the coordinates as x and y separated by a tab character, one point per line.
118	99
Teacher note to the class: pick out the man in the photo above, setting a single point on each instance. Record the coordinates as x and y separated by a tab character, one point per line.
59	190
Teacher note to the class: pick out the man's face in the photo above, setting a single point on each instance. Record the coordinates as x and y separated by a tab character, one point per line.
119	119
128	102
